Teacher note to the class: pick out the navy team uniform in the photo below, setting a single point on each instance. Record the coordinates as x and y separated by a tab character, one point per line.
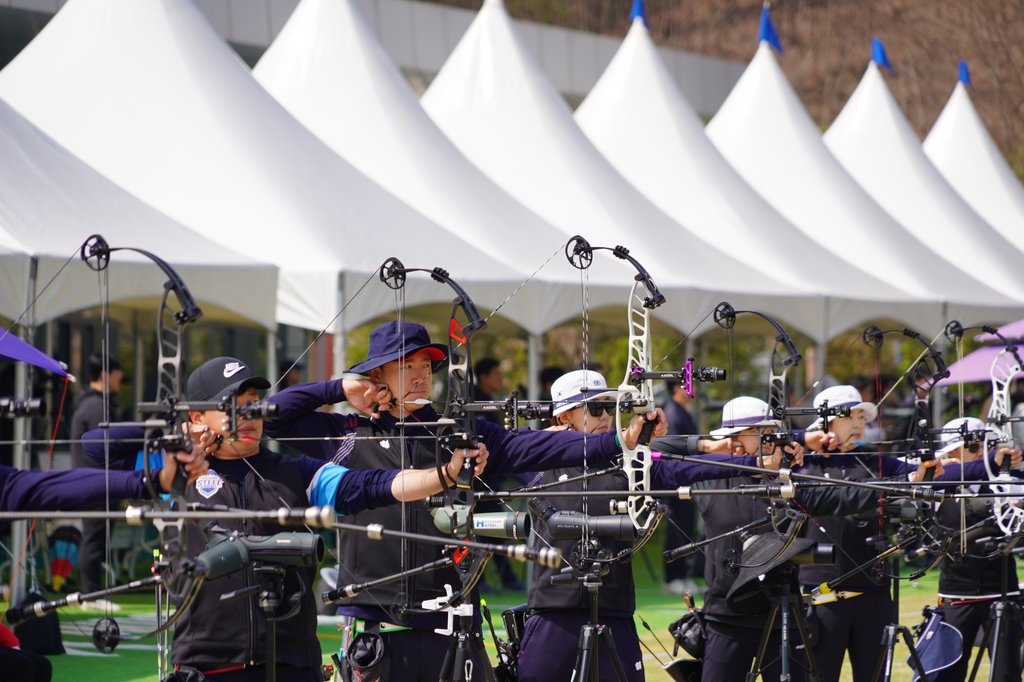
855	624
226	642
557	612
413	650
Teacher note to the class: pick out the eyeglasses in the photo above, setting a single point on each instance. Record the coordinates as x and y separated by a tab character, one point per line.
599	407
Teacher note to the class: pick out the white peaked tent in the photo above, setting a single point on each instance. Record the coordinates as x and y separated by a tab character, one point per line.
328	69
494	102
874	142
961	148
148	94
637	117
763	130
50	202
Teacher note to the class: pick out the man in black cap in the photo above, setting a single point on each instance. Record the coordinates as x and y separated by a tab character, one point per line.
227	644
397	388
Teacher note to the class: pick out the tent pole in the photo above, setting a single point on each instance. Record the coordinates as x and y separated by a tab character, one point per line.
272	368
534	353
22	429
340	331
139	351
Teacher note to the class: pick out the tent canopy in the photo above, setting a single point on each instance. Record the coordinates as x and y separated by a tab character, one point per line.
494	102
149	95
667	156
961	148
329	70
763	130
873	140
973	367
50	202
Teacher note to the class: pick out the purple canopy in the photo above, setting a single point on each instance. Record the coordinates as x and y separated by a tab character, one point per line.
14	348
976	366
1012	331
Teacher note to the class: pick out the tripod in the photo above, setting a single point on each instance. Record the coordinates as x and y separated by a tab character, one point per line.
892	632
1005	613
592	635
464	641
269	597
780	586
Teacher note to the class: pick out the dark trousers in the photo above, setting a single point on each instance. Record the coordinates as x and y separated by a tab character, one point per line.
681	531
91	555
852	625
730	652
551	639
24	666
971	618
418	656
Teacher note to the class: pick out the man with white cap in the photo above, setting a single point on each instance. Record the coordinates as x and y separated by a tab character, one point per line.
732	638
582	402
969	584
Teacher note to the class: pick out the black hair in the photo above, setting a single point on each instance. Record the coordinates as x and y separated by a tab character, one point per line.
94	365
484	366
549	375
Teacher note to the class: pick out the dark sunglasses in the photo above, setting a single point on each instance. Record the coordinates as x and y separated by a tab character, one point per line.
599	407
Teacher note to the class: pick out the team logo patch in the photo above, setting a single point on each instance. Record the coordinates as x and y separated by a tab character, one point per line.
207	485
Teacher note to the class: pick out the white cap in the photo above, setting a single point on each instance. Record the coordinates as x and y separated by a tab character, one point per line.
740	414
952	438
843	395
571	390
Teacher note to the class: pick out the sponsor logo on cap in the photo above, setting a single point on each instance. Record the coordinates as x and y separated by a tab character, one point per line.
232	368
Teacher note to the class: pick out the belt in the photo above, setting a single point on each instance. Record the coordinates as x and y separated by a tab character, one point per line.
359	625
831	597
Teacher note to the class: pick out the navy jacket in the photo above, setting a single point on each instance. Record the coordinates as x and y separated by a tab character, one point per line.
77	489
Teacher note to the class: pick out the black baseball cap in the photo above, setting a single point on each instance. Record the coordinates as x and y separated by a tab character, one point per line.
222	377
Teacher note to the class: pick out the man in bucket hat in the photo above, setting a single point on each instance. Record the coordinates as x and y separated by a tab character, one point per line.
398	375
227	643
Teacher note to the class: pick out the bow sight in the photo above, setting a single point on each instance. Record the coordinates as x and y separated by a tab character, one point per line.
13	408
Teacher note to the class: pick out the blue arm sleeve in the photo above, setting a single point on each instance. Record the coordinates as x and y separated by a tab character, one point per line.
531	451
298	417
349	491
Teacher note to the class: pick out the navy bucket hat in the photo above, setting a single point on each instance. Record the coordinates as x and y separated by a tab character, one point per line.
395	340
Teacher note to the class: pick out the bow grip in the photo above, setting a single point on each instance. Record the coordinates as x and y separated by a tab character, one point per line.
647	431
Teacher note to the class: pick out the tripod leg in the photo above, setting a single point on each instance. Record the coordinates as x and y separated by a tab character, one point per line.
484	661
447	667
986	634
883	669
585	655
766	635
915	661
998	643
613	654
801	628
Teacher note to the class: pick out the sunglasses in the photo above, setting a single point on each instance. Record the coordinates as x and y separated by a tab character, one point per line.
597	408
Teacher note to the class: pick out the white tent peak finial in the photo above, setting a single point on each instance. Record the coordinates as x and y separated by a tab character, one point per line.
638	11
766	32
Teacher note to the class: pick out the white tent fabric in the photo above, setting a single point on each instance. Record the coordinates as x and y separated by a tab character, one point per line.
494	102
763	130
329	70
148	94
50	202
638	118
875	144
961	148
